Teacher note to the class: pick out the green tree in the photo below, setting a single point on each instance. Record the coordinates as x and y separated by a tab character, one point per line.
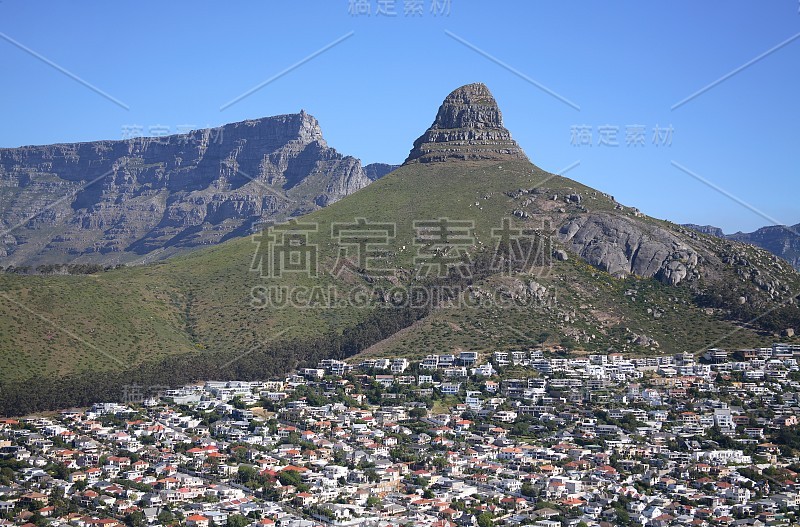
237	520
527	490
623	518
165	516
246	474
439	462
135	519
289	477
485	519
418	413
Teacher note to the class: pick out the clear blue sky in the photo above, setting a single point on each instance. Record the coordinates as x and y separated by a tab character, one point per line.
624	63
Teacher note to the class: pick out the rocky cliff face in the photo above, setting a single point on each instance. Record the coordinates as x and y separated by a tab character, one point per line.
706	229
468	126
146	198
777	239
780	240
624	246
378	170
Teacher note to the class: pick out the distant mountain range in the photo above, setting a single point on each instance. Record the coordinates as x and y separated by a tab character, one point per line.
780	240
144	199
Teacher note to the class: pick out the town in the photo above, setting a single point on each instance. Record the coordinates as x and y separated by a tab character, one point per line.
528	437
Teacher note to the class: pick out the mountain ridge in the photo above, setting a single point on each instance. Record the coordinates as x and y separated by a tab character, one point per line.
780	240
144	198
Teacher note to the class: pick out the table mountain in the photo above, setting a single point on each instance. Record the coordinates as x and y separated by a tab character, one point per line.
142	199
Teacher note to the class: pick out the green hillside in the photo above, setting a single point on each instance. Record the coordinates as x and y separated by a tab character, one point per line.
202	302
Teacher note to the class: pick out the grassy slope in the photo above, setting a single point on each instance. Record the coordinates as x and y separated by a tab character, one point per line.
201	301
54	325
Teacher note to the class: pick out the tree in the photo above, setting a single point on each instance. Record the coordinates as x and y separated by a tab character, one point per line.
623	518
528	490
485	519
165	516
237	520
418	413
439	462
246	474
135	519
289	477
38	520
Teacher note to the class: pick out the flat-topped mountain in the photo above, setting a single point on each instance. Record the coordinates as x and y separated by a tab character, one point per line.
143	199
468	126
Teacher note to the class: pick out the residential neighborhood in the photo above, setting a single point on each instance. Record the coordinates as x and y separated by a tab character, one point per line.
528	437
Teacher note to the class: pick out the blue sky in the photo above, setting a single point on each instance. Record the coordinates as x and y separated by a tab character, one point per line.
625	64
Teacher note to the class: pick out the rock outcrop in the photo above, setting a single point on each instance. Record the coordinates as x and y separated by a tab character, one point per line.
139	199
624	246
378	170
468	126
780	240
705	229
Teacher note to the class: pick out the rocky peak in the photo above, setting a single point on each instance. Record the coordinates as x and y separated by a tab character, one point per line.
297	128
468	126
309	129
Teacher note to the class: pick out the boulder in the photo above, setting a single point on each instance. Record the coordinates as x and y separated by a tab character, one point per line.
623	246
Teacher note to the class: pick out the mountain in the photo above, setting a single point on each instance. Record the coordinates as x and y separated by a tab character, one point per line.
467	246
705	229
777	239
780	240
468	127
378	170
141	199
